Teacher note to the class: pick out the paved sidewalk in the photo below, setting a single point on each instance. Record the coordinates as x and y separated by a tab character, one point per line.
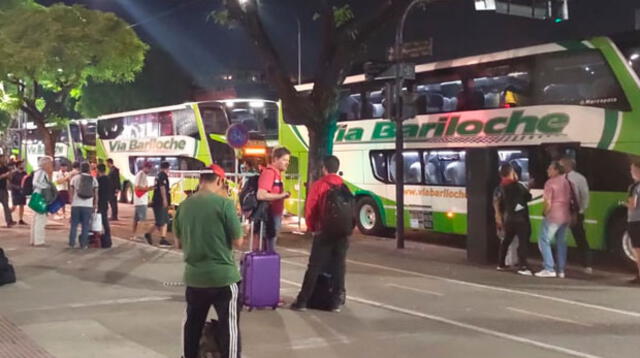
128	302
16	344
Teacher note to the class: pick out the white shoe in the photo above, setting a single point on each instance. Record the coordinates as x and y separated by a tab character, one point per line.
560	274
588	270
546	273
525	272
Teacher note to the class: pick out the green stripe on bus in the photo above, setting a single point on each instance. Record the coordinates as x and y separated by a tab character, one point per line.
609	131
297	133
573	45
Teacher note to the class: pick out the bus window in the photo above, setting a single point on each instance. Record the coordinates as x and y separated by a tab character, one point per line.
578	78
185	123
445	167
74	131
412	167
379	165
214	120
175	163
110	128
89	134
519	160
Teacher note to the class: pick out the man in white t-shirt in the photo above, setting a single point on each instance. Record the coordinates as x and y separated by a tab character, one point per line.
61	179
140	197
84	202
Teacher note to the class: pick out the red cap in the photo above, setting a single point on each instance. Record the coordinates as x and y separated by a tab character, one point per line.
217	170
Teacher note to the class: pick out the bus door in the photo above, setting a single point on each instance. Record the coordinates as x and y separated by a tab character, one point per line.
541	156
215	124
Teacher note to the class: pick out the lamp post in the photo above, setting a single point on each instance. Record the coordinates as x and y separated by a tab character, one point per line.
399	132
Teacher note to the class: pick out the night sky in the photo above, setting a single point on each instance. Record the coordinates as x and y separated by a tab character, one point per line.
201	47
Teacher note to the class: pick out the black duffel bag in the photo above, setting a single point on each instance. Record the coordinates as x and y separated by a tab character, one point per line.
7	273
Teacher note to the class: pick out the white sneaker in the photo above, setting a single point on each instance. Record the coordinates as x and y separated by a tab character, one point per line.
546	273
588	270
560	274
525	272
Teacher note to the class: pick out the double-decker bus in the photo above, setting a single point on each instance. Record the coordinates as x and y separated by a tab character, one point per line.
74	142
533	104
190	136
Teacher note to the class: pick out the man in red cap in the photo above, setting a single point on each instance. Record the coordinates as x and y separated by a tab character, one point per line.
207	227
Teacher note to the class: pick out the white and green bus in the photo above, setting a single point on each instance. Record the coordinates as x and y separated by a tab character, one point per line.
74	142
190	136
532	104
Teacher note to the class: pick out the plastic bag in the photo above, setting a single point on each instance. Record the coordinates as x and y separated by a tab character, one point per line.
55	206
37	203
512	253
96	223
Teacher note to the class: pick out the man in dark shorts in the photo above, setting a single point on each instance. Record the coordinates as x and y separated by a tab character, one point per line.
633	216
18	198
161	202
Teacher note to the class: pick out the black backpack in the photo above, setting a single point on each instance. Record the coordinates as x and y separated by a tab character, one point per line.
85	187
7	273
337	214
27	184
513	195
249	195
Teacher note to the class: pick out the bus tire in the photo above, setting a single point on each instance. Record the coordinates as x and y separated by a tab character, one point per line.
368	217
126	195
619	242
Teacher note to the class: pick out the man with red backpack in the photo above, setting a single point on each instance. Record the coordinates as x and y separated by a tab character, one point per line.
329	216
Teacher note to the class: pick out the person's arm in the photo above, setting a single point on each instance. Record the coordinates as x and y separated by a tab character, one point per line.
311	206
583	192
95	194
497	197
233	227
265	182
6	175
547	197
72	189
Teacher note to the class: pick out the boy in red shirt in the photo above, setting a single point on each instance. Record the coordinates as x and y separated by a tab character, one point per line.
271	189
326	249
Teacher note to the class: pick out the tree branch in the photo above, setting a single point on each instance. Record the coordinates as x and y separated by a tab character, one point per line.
296	105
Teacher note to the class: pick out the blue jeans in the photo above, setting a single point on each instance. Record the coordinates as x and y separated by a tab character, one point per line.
551	231
272	230
80	215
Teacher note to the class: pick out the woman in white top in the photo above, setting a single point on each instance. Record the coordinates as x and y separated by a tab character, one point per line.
62	178
41	181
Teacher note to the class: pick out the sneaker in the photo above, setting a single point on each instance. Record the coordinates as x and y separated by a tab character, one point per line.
164	243
525	272
546	273
588	270
296	306
336	309
502	268
21	222
561	275
635	281
10	224
147	237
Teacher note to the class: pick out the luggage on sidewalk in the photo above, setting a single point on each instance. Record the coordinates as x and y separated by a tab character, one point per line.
95	240
209	341
324	294
260	276
7	273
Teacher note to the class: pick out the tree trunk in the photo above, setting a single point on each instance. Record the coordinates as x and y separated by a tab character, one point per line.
48	136
320	145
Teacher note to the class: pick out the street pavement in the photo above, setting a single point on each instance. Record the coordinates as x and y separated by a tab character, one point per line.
423	301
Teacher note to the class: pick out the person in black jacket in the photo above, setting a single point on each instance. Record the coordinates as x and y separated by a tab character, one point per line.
510	201
105	194
114	177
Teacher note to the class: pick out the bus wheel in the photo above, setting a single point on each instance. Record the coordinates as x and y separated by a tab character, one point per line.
620	242
126	196
368	217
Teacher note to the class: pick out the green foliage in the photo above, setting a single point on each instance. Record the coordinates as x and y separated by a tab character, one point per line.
54	51
343	15
162	82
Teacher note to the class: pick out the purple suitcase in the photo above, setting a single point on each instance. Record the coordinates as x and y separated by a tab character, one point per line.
260	277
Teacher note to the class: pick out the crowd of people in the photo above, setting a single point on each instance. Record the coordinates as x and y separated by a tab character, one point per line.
207	226
565	200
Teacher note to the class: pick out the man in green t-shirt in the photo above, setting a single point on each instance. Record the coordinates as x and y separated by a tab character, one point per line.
207	227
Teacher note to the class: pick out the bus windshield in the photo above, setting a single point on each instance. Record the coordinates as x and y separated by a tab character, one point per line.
258	116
